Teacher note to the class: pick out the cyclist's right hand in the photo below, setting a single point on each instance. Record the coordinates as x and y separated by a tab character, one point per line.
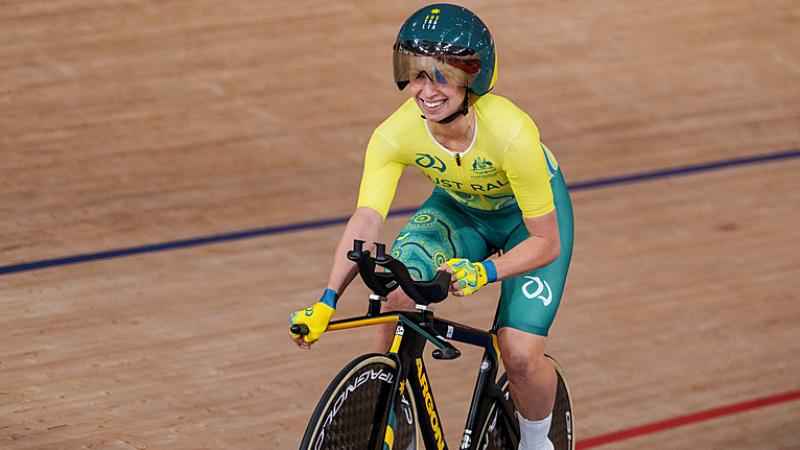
315	317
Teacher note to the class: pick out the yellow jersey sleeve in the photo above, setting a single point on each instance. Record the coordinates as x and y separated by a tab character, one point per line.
382	170
526	167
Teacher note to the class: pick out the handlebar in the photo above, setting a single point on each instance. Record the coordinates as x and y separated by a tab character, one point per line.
382	283
300	329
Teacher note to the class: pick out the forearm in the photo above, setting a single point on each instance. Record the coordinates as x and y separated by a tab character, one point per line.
540	249
365	224
530	254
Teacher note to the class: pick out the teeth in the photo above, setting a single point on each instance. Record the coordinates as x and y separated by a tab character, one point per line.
433	104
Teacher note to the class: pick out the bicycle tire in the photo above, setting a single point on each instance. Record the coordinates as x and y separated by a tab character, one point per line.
493	434
348	409
562	427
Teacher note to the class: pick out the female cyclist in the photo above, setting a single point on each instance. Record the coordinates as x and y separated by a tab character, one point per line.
497	187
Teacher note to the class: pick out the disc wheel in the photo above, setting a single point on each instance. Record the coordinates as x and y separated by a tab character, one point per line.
352	406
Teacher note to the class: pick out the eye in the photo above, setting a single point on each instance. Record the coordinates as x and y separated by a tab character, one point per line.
422	75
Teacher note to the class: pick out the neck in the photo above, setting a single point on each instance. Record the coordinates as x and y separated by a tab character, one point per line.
461	128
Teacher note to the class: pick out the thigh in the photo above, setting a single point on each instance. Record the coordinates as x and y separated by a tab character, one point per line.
529	302
437	232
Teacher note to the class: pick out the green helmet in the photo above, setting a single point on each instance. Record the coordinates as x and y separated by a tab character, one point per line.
449	43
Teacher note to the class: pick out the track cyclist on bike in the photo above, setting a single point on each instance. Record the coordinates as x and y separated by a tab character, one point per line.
497	187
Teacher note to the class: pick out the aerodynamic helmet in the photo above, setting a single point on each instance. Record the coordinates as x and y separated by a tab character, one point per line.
450	44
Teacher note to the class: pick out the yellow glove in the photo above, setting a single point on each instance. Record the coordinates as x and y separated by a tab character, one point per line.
472	276
316	317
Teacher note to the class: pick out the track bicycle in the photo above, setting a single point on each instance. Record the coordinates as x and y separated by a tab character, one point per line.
385	401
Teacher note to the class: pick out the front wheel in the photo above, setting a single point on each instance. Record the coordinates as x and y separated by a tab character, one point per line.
353	406
495	433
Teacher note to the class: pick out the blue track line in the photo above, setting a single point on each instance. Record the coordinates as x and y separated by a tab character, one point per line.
302	226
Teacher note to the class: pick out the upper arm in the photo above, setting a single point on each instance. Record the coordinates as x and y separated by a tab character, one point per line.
368	217
526	168
382	170
546	228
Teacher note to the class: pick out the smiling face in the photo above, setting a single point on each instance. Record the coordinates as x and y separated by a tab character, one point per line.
436	100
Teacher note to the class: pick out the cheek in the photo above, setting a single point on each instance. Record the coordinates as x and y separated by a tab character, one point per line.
416	86
452	91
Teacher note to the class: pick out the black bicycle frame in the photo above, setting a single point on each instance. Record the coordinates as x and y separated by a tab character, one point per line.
413	331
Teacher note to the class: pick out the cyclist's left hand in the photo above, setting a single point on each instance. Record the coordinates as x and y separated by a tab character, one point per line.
466	277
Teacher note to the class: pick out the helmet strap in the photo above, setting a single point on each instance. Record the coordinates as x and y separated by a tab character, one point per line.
463	111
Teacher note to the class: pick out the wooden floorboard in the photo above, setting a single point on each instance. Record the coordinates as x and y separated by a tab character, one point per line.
132	123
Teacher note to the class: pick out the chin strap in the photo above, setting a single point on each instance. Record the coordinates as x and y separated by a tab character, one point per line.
461	112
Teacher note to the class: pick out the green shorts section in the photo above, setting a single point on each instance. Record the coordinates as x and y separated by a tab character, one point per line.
442	229
529	302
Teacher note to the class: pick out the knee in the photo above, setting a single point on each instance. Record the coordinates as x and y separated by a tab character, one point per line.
522	363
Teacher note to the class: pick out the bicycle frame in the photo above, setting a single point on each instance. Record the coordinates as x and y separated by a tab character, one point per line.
413	331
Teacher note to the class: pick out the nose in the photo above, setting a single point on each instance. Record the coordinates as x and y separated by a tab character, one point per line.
429	87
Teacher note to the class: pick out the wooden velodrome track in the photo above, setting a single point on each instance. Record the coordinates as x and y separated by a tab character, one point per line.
127	124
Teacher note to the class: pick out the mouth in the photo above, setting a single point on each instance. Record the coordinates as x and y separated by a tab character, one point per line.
432	106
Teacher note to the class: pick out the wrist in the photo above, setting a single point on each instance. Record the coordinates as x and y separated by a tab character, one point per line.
329	297
491	271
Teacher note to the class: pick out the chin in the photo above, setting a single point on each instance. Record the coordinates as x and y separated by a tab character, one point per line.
434	115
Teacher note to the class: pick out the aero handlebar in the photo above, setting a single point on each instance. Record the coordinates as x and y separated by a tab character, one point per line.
382	283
